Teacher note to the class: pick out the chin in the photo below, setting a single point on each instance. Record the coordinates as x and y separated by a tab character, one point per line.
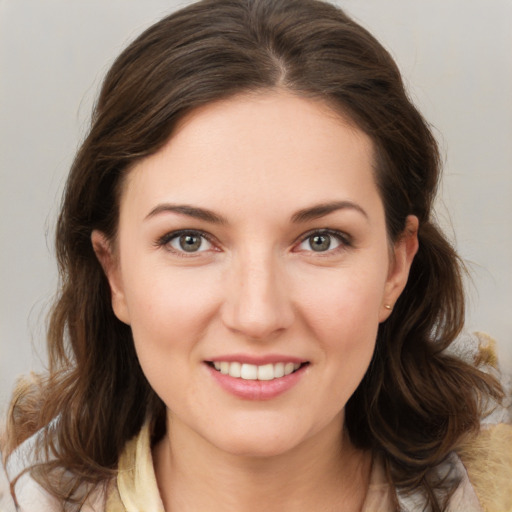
260	437
259	447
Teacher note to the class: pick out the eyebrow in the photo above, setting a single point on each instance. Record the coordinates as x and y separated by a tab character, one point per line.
190	211
317	211
304	215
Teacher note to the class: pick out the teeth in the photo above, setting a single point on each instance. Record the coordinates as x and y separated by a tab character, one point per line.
235	370
288	368
278	370
249	372
266	372
253	372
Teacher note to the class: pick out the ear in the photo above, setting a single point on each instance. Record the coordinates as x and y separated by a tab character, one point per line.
110	264
404	250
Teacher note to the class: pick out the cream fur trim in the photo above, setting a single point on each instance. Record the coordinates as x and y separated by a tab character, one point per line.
488	460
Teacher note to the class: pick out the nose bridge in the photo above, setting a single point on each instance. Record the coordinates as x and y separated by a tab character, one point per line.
258	304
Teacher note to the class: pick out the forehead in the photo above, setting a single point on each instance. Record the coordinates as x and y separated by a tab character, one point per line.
260	146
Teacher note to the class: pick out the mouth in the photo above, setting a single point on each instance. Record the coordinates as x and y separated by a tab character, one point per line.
253	372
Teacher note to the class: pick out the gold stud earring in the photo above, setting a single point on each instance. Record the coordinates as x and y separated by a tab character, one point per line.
387	306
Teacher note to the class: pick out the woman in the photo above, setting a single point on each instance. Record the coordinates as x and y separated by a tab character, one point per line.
256	307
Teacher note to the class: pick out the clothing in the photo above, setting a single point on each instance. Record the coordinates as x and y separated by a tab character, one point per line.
484	467
137	487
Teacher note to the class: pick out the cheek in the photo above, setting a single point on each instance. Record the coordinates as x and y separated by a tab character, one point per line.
169	308
344	299
170	313
342	311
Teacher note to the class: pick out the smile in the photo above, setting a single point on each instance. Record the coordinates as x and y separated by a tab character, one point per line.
255	372
246	379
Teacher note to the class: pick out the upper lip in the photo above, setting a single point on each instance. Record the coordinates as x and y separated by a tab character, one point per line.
257	360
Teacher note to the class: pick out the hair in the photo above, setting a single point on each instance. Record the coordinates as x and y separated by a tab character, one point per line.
416	403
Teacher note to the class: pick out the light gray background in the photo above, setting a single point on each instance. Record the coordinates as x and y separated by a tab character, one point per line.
456	59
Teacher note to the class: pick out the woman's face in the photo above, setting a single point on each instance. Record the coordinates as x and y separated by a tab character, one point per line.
252	245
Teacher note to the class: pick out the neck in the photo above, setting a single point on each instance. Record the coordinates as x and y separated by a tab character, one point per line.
324	473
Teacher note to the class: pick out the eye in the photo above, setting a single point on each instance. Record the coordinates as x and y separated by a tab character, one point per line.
323	241
186	242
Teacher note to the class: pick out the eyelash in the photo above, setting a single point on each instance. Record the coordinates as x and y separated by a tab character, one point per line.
165	241
344	240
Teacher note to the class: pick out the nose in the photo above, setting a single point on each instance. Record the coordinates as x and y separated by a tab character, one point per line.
257	304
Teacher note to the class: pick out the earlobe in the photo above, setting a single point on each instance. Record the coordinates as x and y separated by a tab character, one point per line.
404	250
110	264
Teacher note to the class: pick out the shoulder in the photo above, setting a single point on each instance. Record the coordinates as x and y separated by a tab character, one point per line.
479	350
29	495
483	463
6	501
487	457
488	461
20	492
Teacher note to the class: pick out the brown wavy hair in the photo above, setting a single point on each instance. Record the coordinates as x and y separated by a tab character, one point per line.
415	404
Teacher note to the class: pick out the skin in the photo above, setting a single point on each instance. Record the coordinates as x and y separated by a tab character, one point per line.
257	287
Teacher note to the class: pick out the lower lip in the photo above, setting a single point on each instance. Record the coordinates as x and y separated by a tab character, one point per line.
257	389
